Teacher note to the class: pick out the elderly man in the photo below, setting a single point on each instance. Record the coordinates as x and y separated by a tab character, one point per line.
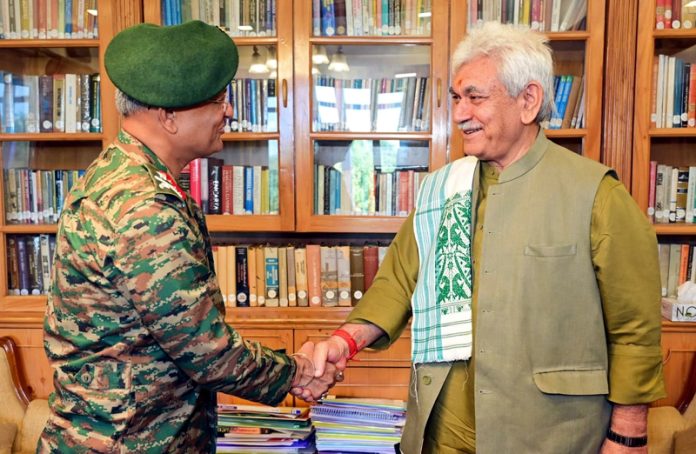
135	322
530	276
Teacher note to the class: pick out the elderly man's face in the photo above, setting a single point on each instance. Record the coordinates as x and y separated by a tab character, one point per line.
489	119
203	125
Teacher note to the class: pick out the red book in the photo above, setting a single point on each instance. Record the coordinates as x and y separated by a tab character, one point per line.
370	264
195	180
227	184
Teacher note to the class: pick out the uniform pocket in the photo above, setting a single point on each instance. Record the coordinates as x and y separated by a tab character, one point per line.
573	382
102	391
551	250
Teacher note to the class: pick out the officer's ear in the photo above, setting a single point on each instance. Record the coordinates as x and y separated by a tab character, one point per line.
167	118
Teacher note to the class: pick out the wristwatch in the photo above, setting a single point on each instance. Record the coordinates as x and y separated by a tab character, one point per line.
630	442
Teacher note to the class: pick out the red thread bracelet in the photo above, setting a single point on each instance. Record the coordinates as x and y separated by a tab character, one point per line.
352	345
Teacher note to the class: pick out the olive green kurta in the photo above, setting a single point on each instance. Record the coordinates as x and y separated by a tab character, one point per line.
616	247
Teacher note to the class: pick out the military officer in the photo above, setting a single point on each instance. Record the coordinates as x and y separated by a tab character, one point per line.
134	325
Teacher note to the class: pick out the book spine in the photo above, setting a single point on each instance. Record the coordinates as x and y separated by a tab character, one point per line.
253	269
242	280
261	276
329	276
291	276
301	276
357	275
313	254
343	275
272	276
227	189
283	277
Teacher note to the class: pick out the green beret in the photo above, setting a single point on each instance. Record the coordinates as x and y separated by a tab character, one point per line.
171	67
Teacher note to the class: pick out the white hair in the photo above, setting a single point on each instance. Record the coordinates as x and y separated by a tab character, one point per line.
523	56
126	105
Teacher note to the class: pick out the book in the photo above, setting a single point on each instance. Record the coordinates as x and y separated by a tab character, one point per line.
292	287
253	253
221	271
301	276
231	300
272	276
357	276
329	276
370	264
313	260
283	277
343	275
261	277
242	281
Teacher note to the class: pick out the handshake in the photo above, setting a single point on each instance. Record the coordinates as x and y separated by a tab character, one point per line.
321	366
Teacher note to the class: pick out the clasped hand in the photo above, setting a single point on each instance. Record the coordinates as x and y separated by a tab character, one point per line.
318	369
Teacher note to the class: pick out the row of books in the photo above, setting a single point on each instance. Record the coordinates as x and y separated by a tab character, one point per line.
569	97
358	425
237	17
263	429
675	14
364	105
29	263
676	266
672	193
673	103
36	196
388	194
50	103
304	275
254	105
48	19
371	17
219	188
542	15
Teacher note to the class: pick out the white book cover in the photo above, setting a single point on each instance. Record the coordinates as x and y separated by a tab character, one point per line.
238	190
70	90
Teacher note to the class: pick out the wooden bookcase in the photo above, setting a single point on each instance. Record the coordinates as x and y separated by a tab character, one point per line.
299	145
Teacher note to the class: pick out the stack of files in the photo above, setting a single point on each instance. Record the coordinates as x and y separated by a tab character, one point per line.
358	425
262	429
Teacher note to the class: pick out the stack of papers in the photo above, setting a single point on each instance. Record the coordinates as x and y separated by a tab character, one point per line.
262	429
358	425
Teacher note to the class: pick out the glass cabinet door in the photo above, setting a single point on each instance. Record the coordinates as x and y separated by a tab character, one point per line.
372	110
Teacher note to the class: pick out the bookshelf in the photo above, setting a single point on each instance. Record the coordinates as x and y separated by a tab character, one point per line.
577	51
296	145
35	143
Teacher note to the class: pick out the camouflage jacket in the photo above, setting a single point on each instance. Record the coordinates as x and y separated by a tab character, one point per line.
134	325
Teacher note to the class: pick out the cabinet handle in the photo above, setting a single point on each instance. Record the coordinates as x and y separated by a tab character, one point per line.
439	92
285	92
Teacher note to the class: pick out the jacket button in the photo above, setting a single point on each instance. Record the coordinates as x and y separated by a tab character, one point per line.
427	380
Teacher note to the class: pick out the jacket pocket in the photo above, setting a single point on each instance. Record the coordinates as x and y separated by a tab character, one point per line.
542	250
573	382
102	391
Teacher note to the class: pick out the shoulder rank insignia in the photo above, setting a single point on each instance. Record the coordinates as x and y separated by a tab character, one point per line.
165	181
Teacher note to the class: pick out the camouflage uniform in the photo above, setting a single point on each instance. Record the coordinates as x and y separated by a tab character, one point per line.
135	322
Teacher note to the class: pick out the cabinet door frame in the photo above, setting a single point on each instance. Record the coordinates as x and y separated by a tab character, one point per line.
307	221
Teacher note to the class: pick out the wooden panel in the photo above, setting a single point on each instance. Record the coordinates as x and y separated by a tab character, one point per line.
275	339
34	366
678	350
619	87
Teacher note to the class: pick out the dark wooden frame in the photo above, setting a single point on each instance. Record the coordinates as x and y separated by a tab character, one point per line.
20	387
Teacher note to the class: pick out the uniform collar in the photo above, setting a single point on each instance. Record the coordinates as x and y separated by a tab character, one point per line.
124	138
